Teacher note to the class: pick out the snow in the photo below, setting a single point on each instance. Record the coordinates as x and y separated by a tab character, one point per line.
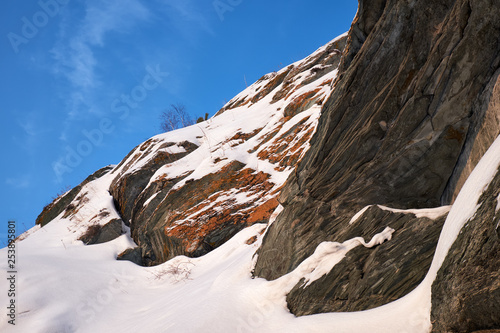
431	213
359	214
328	254
211	293
66	286
466	203
216	146
150	199
498	204
75	288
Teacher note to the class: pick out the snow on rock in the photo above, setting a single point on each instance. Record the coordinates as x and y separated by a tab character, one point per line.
199	185
65	286
75	288
359	214
327	255
431	213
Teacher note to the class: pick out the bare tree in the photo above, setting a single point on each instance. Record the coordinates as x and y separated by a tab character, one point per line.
175	117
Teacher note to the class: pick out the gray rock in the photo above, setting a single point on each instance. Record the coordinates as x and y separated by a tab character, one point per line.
134	255
97	234
371	277
409	111
126	189
59	205
466	291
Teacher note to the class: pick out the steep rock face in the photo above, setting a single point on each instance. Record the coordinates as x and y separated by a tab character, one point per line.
406	122
486	130
189	197
466	292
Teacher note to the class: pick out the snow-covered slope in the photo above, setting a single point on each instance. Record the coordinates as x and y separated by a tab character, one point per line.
190	190
170	195
183	192
65	286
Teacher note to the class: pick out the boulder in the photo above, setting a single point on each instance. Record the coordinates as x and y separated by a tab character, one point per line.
97	234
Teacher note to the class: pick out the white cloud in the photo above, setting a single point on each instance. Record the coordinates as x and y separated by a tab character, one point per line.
80	34
29	127
21	182
32	124
34	130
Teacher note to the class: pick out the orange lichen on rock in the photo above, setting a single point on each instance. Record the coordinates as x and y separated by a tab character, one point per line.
251	240
231	199
146	145
234	104
268	137
271	85
263	212
287	150
240	137
327	82
301	103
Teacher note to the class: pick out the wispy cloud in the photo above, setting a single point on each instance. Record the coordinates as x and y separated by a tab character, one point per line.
32	134
29	126
74	53
21	182
81	33
31	122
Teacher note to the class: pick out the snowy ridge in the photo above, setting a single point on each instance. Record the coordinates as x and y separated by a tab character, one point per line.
214	136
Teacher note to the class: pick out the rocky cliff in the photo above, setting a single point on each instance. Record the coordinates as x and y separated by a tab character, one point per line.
378	130
413	110
466	292
189	191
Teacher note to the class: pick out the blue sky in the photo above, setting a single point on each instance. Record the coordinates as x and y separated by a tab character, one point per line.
84	81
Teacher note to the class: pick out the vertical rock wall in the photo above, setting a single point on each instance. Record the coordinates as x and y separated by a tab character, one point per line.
411	114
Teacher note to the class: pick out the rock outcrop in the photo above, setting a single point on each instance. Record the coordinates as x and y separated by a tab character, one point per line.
412	111
369	277
97	234
466	292
60	204
192	212
377	129
189	191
